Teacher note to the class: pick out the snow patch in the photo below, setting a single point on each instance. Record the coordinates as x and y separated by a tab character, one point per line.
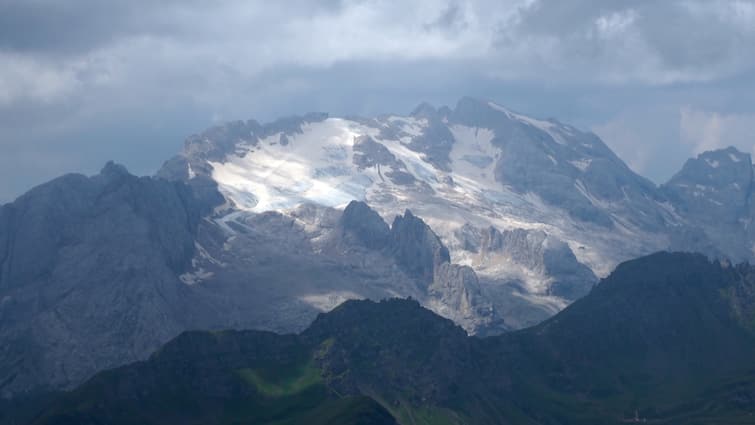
470	168
581	164
546	126
195	277
274	177
500	108
409	125
329	301
550	303
586	193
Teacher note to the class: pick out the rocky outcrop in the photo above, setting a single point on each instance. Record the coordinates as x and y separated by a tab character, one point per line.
451	290
456	294
547	260
435	141
365	225
713	193
369	153
416	248
714	187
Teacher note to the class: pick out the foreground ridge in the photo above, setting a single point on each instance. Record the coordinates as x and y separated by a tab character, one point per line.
668	338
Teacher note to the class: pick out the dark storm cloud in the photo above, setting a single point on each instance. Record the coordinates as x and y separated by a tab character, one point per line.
83	81
70	27
57	27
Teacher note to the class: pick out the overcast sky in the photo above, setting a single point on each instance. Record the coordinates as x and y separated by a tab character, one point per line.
85	81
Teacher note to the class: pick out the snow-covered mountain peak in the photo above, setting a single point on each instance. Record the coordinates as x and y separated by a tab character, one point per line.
716	181
479	164
536	208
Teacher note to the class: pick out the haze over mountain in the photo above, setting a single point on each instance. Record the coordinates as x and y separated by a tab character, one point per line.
497	222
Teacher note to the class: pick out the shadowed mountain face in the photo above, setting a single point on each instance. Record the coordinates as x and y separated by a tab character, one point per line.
88	268
99	271
667	338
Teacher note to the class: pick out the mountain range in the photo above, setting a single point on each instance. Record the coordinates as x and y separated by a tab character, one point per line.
489	218
667	338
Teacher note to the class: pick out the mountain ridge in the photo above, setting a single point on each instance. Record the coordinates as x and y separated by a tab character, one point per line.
599	361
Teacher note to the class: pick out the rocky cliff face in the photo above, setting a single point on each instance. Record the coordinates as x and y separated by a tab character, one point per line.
365	225
416	248
89	276
713	192
715	186
451	290
456	294
564	166
537	253
515	265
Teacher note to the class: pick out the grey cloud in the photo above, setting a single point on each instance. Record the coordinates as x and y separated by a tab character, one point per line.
83	81
450	19
61	28
559	17
652	41
74	27
704	130
697	40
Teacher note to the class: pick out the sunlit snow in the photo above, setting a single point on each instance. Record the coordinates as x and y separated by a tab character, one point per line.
317	166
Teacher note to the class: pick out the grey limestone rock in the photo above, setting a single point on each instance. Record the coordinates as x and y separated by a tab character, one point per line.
89	276
416	248
456	294
713	192
365	225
